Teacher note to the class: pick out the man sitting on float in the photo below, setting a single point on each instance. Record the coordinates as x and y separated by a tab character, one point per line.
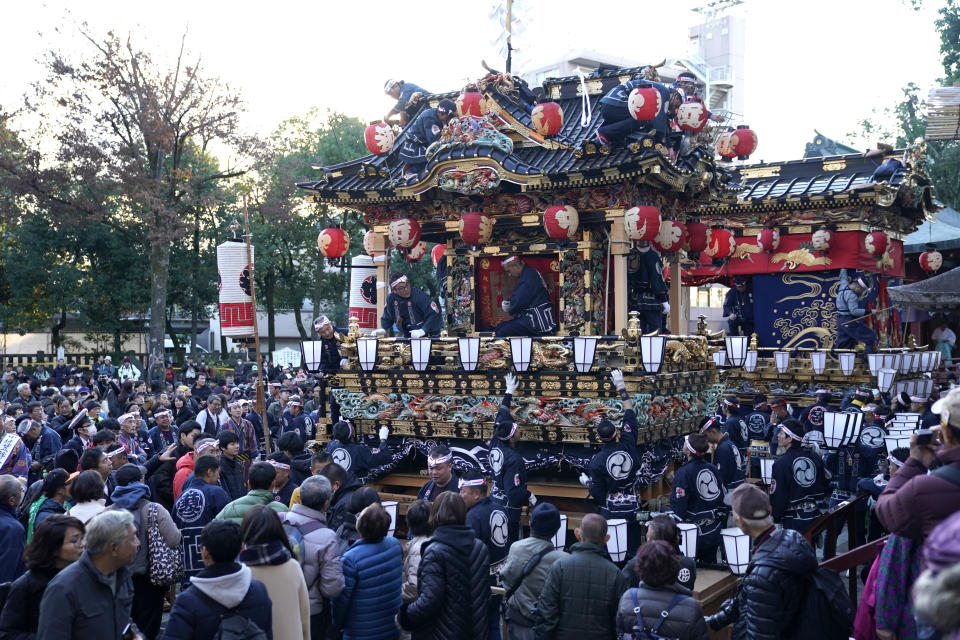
529	305
410	311
618	120
424	131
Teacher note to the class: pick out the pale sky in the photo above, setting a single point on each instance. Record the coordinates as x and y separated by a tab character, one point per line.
814	64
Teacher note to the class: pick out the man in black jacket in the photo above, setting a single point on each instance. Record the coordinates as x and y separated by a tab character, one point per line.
773	589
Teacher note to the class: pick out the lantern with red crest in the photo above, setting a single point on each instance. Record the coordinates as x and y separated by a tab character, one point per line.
876	243
644	103
475	228
671	236
725	146
417	251
404	233
379	138
821	240
768	240
692	115
333	243
547	118
743	141
722	244
470	103
931	260
436	254
368	242
698	237
642	223
561	222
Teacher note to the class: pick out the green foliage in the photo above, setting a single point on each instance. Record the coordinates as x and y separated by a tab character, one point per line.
948	25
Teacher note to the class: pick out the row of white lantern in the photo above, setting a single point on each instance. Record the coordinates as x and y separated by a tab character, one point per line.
748	360
916	387
905	362
841	428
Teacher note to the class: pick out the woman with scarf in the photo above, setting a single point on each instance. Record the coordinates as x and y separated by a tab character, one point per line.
266	550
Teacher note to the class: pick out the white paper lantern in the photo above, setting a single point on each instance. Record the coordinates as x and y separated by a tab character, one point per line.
469	352
750	364
311	352
736	547
391	508
367	353
736	350
688	538
818	360
782	360
720	358
560	537
848	361
520	352
584	350
617	544
766	470
420	352
651	352
885	379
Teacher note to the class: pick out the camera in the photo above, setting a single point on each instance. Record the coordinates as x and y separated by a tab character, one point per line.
924	436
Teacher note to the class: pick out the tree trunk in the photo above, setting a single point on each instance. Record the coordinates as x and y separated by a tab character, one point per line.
271	309
194	310
177	349
159	277
299	320
223	346
55	330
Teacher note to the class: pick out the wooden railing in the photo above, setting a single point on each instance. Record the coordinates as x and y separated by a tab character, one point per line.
849	561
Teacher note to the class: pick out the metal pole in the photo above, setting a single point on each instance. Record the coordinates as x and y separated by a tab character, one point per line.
509	27
261	405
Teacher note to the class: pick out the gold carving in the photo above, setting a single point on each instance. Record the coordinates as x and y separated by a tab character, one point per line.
744	249
835	165
760	172
485	264
793	259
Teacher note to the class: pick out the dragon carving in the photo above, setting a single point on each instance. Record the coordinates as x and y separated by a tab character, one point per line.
802	256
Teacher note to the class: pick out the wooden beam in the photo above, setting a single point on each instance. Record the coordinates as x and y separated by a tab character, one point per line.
381	258
679	317
620	247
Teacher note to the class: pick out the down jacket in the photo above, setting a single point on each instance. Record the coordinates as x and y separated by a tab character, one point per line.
684	622
454	587
370	600
772	590
322	569
580	596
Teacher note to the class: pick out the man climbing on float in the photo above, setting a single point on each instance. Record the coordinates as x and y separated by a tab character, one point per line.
851	309
529	305
409	310
618	122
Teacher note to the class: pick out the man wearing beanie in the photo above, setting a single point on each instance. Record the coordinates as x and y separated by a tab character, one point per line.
774	586
526	568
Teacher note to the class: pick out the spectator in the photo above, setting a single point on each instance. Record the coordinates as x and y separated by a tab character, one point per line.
525	570
914	501
57	543
581	591
283	485
134	496
300	459
204	446
181	410
322	570
162	479
12	533
231	469
373	575
86	496
262	476
318	461
267	552
659	603
344	485
359	500
96	460
162	434
772	591
200	502
92	597
418	524
936	594
224	585
664	528
53	495
452	579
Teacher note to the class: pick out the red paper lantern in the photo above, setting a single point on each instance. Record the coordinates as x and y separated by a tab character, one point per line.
644	103
725	146
404	233
642	223
470	103
547	118
379	138
671	236
698	237
931	260
692	115
368	242
744	142
436	254
333	243
722	244
475	228
876	243
821	240
561	222
417	251
768	240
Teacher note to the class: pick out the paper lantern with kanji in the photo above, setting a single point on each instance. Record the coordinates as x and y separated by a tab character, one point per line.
470	103
931	260
644	103
692	115
436	254
561	222
547	118
475	228
725	146
379	138
698	237
642	223
821	240
333	243
744	142
722	244
768	240
876	243
417	251
671	236
404	232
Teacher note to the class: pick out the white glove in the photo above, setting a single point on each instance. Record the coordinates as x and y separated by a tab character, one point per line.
417	333
505	305
384	432
666	308
512	384
532	500
378	333
616	376
584	479
343	363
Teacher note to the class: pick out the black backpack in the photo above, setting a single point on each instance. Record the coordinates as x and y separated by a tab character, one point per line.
640	630
826	612
232	625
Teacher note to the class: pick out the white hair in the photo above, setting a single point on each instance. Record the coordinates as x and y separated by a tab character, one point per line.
107	529
936	599
23	385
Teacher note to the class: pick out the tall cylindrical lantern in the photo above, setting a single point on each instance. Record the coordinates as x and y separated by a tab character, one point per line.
363	292
237	314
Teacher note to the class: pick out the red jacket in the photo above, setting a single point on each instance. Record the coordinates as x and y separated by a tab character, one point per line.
913	502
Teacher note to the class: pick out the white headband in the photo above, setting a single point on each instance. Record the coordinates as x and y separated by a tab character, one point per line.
861	282
513	430
730	404
686	443
707	424
279	465
163	412
116	452
127	416
894	461
917	399
400	280
434	461
790	433
476	482
321	322
508	260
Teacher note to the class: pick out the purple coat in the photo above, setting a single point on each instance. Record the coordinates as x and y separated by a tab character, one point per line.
913	503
